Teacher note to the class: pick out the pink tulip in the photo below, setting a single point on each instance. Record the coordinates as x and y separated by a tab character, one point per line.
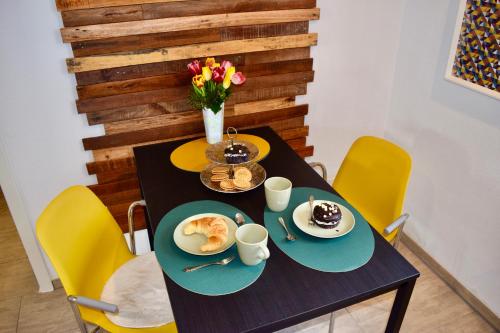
218	74
238	78
194	67
226	65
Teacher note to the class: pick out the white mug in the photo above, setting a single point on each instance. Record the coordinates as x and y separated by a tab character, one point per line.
278	190
251	240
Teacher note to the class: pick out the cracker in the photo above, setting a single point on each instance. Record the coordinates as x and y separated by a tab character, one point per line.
219	177
227	184
243	174
220	169
242	184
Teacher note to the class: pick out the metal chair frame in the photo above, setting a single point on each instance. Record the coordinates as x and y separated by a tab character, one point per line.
96	304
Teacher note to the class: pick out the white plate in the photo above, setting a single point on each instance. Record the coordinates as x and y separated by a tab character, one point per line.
302	213
192	243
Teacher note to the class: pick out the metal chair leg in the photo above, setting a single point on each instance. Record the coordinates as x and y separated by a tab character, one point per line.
332	322
398	236
78	317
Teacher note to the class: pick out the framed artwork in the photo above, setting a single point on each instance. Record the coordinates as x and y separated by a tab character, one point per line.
474	60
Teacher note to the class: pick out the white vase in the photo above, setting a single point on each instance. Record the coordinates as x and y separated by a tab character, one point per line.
214	124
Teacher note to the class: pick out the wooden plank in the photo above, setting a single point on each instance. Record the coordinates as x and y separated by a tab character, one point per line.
171	67
120	101
116	175
156	109
189	51
264	30
305	152
107	154
133	85
265	105
127	196
110	165
63	5
146	11
178	38
184	78
190	126
297	144
175	118
198	8
294	133
144	70
121	29
73	18
115	187
179	93
148	41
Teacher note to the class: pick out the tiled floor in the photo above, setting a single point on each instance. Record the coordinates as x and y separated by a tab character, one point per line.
433	308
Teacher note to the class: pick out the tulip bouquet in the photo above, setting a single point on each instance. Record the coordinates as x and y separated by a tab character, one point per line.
212	83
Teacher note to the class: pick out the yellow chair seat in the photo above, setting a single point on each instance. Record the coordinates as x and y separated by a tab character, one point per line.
86	246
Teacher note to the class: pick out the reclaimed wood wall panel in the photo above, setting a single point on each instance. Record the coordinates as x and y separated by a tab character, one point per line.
83	64
63	5
129	61
171	67
121	29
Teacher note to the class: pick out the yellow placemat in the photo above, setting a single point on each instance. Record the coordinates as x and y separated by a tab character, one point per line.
191	155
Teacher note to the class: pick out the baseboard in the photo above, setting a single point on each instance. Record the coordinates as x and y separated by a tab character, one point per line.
454	284
57	284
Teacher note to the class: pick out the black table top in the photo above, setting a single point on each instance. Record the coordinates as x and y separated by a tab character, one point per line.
286	293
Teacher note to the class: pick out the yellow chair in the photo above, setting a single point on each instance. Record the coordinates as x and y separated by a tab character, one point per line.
86	245
373	178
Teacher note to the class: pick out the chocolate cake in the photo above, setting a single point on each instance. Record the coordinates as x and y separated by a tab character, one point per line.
327	216
236	154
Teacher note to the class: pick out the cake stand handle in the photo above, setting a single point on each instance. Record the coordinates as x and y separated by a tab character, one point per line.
231	137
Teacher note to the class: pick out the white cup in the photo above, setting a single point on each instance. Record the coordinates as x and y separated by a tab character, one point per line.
278	190
251	240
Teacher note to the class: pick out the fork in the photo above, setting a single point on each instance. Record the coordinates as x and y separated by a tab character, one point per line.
222	262
289	236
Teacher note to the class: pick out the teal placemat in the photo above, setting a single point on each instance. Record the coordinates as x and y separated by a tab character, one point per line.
210	281
340	254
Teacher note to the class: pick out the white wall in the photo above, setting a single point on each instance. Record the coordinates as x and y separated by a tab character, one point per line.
453	135
354	65
39	127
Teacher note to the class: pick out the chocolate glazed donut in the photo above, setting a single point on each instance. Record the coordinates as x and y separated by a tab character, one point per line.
236	154
327	216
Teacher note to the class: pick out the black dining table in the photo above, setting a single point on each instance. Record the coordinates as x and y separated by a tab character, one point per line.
286	293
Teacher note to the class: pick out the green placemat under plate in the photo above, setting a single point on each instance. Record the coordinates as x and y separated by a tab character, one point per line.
210	281
340	254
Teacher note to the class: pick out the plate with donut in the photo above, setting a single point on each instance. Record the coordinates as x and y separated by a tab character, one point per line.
205	234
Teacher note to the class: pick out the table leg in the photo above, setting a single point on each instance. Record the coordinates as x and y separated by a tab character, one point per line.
399	307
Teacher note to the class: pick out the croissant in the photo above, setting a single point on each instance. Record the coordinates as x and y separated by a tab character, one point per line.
215	228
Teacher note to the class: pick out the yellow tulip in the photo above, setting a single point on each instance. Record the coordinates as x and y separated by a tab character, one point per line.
198	81
227	79
210	62
207	73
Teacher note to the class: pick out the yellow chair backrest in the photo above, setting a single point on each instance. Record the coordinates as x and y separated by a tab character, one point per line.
83	241
373	178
